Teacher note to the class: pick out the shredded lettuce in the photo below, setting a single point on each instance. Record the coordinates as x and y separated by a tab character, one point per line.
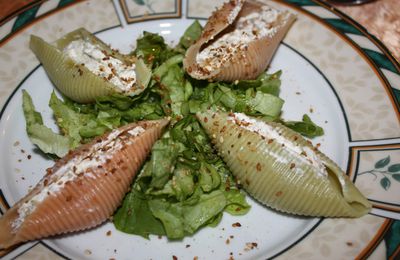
234	97
186	184
153	49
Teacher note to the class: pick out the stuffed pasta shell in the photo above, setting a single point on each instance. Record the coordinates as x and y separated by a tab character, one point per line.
281	169
82	189
237	42
82	67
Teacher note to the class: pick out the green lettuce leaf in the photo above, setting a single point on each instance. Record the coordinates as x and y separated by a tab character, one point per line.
237	204
191	34
267	104
170	214
270	83
266	83
174	89
180	219
182	182
83	126
134	216
163	157
40	135
69	121
305	127
153	49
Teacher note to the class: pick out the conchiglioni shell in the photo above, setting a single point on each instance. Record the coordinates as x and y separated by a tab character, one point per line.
91	197
250	62
75	80
280	179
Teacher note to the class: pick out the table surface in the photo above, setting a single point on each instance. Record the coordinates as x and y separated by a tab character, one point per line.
380	17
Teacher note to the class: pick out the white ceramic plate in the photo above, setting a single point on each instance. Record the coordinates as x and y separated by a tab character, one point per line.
326	74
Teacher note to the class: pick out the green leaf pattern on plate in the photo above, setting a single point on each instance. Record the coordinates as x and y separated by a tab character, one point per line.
392	172
382	162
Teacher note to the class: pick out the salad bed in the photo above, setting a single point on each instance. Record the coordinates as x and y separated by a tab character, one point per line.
184	185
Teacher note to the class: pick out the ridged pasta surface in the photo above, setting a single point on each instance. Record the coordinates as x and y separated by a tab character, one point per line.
248	63
75	80
88	199
280	178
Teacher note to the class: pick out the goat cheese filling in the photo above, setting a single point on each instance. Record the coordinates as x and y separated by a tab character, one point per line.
97	155
305	153
254	26
96	60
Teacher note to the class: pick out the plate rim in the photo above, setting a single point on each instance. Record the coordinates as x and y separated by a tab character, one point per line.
300	3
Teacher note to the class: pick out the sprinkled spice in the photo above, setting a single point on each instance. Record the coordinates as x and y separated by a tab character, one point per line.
223	129
99	62
231	46
236	224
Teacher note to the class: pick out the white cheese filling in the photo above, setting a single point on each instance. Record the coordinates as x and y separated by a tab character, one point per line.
251	27
103	65
234	13
97	155
136	131
270	133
